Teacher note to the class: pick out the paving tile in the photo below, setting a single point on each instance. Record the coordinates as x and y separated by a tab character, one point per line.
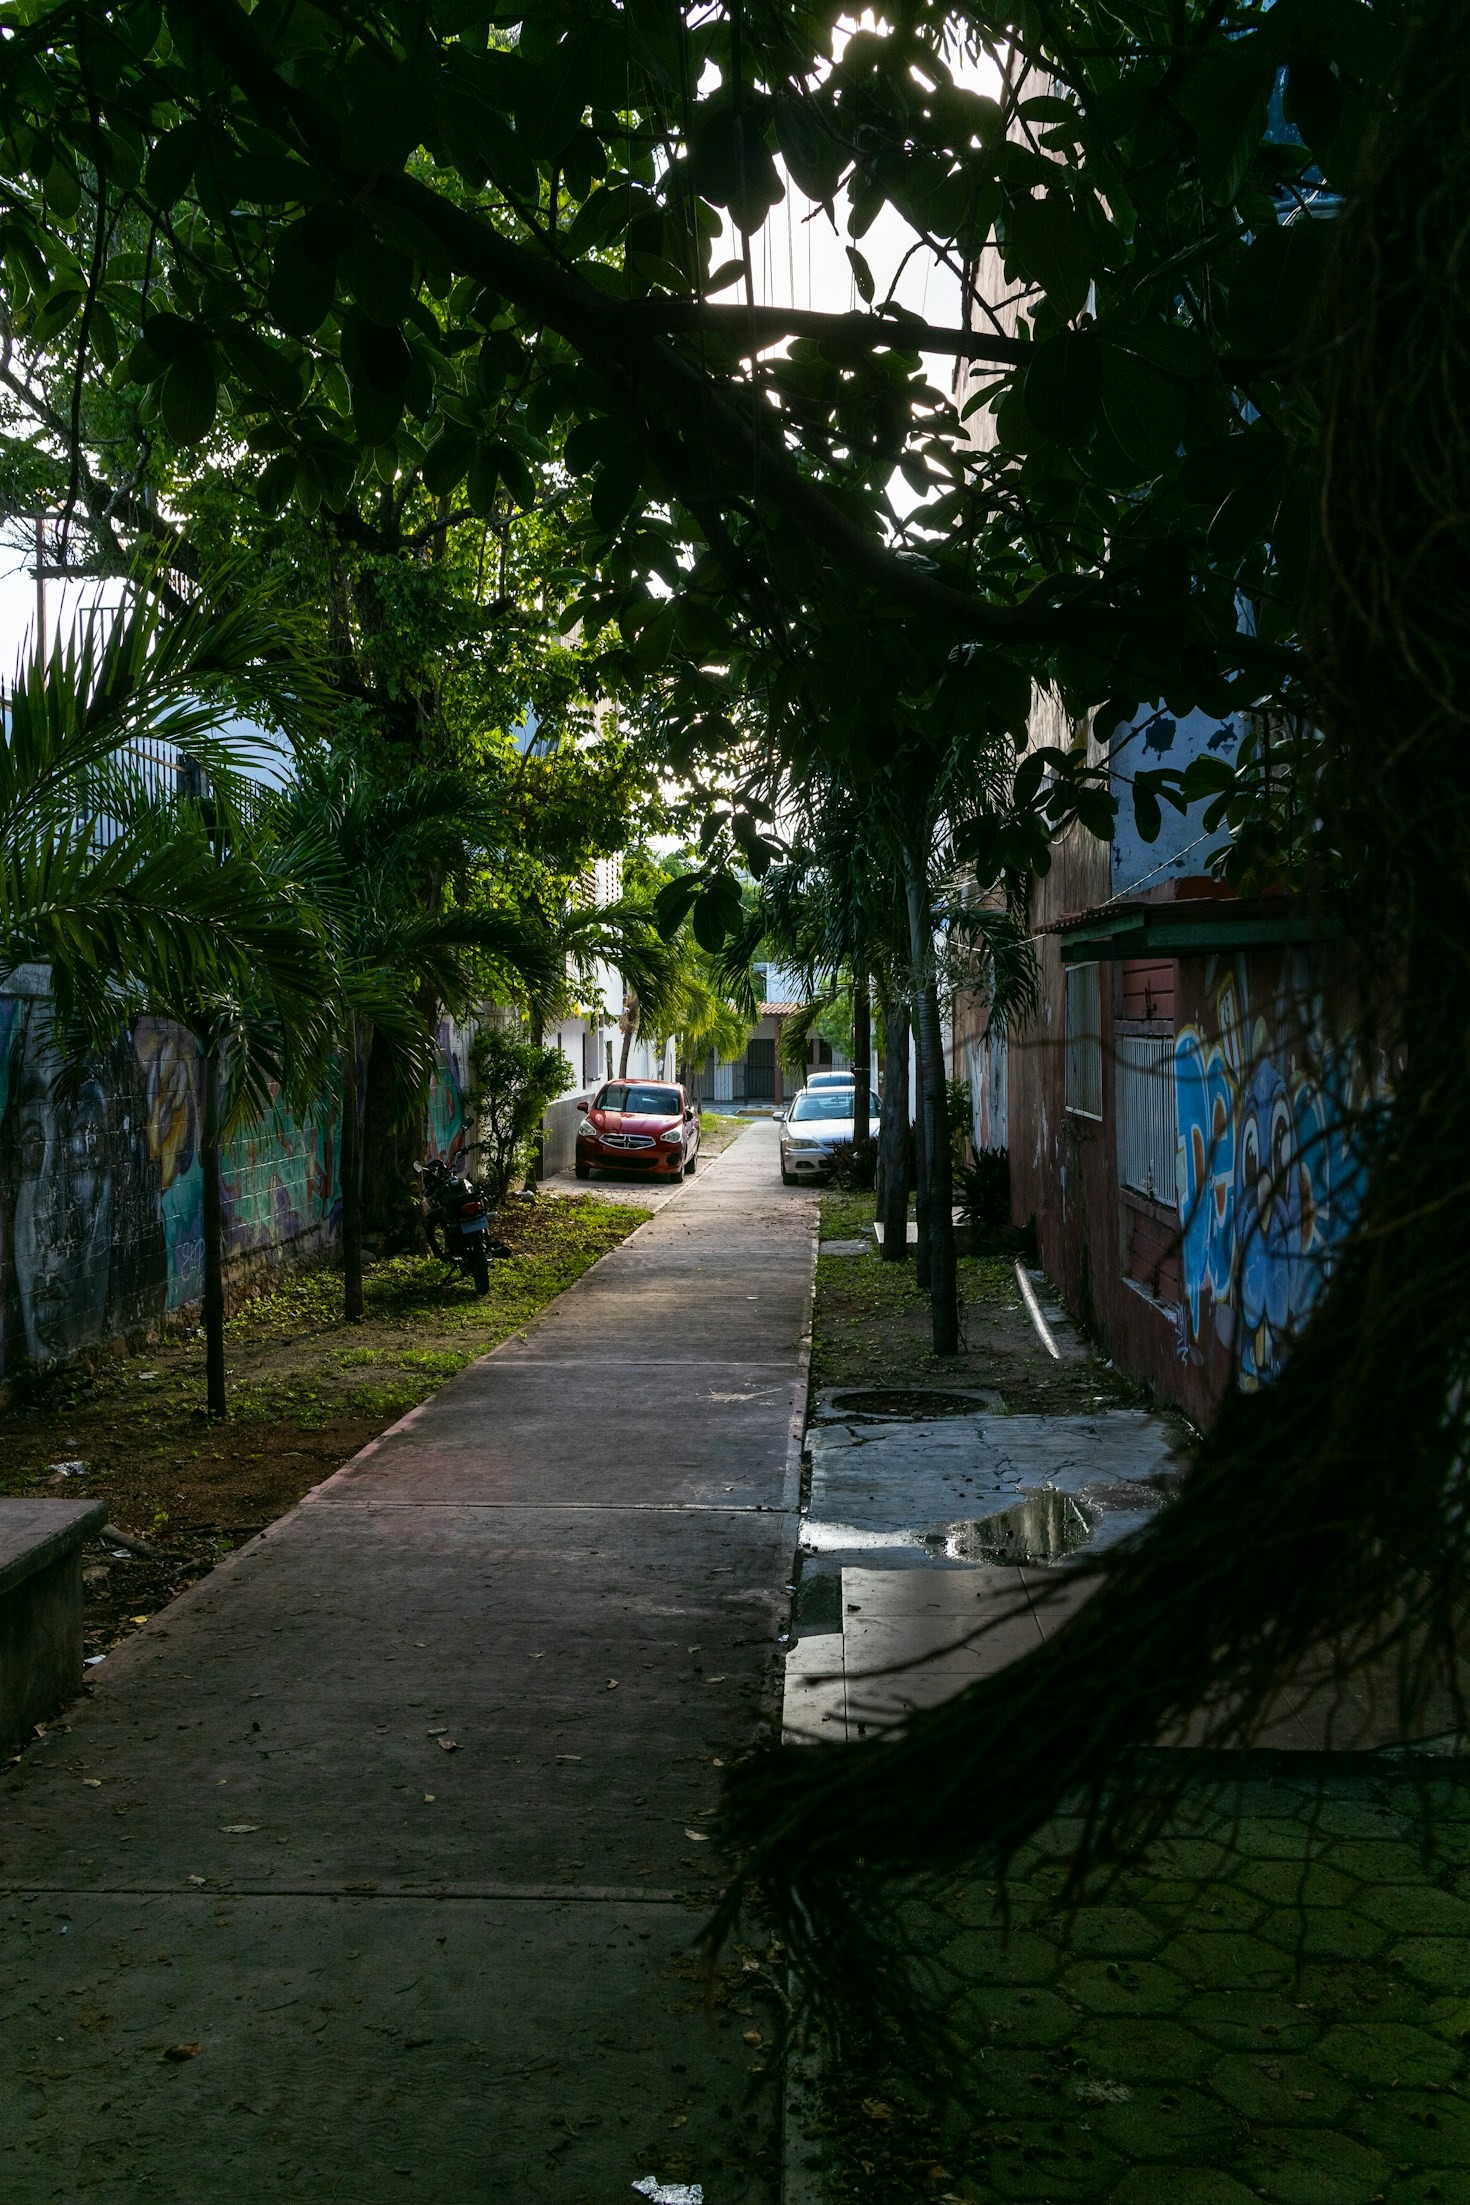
1411	2126
1385	2052
1142	2051
1299	2166
1281	2087
1180	2186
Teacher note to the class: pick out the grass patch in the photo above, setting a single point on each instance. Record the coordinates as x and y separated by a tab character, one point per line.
872	1327
306	1389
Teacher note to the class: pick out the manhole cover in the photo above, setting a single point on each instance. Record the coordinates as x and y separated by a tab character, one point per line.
894	1401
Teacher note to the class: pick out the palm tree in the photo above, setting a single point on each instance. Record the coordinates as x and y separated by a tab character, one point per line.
262	1040
379	860
94	883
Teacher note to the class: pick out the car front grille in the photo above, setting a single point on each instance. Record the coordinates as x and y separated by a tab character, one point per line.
627	1140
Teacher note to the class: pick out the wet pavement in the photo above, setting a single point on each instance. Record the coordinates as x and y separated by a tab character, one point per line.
372	1868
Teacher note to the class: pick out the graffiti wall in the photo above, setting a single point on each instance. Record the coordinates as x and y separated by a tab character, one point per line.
102	1191
1268	1177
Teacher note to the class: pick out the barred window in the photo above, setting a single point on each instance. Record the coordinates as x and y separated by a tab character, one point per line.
1084	1041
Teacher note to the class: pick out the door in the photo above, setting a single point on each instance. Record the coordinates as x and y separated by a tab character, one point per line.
760	1070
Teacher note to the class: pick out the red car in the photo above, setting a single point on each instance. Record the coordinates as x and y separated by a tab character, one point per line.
638	1125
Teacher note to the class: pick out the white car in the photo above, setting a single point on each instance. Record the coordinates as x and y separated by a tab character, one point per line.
830	1079
816	1121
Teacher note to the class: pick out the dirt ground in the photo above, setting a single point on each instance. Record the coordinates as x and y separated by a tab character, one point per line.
306	1391
872	1326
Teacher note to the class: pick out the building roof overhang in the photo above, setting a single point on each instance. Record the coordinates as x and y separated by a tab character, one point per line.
1190	927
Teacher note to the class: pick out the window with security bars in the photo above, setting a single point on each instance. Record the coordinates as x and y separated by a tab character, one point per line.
1084	1041
1143	1094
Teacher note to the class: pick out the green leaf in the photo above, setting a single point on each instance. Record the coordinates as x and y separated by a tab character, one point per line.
447	459
717	912
721	278
276	480
514	473
189	396
376	413
270	375
1274	286
484	480
672	904
1147	815
1143	410
302	283
385	354
1048	242
1226	96
171	337
862	274
619	483
1064	385
378	277
61	304
63	190
814	157
172	162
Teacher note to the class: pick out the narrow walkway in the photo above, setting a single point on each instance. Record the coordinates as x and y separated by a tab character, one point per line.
371	1869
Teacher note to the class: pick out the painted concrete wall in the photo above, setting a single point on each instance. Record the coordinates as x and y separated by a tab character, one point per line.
102	1192
1206	1290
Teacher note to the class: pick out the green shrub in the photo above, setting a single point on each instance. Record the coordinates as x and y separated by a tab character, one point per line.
512	1081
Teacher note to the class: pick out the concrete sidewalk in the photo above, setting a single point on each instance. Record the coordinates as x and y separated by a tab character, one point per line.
372	1867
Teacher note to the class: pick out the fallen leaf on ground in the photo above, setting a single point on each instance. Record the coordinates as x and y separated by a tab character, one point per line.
449	1745
239	1829
437	1730
183	2051
197	1879
429	1799
93	1783
877	2110
137	1619
612	1684
753	2036
700	1837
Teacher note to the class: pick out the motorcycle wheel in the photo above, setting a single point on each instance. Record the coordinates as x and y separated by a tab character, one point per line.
480	1270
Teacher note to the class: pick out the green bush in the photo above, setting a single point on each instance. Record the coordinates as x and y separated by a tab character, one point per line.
512	1081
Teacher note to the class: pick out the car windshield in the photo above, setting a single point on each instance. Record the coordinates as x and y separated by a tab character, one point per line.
826	1102
643	1102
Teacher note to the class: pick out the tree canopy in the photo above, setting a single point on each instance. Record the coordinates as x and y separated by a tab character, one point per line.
406	268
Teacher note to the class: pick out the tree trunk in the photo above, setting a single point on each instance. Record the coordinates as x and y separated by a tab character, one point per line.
351	1176
862	1055
629	1024
893	1134
391	1210
937	1174
214	1238
924	1246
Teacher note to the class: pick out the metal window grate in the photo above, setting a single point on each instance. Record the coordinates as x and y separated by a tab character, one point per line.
1084	1041
1147	1137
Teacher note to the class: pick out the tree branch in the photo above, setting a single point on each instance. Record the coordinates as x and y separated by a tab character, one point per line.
648	374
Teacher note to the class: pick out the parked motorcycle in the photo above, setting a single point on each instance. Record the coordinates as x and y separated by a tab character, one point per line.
457	1221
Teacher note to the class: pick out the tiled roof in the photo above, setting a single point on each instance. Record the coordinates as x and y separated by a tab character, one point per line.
780	1010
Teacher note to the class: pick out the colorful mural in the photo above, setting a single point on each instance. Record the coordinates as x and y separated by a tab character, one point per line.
85	1255
1268	1179
102	1191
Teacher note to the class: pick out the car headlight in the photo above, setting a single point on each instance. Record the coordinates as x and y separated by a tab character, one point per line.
675	1140
586	1132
